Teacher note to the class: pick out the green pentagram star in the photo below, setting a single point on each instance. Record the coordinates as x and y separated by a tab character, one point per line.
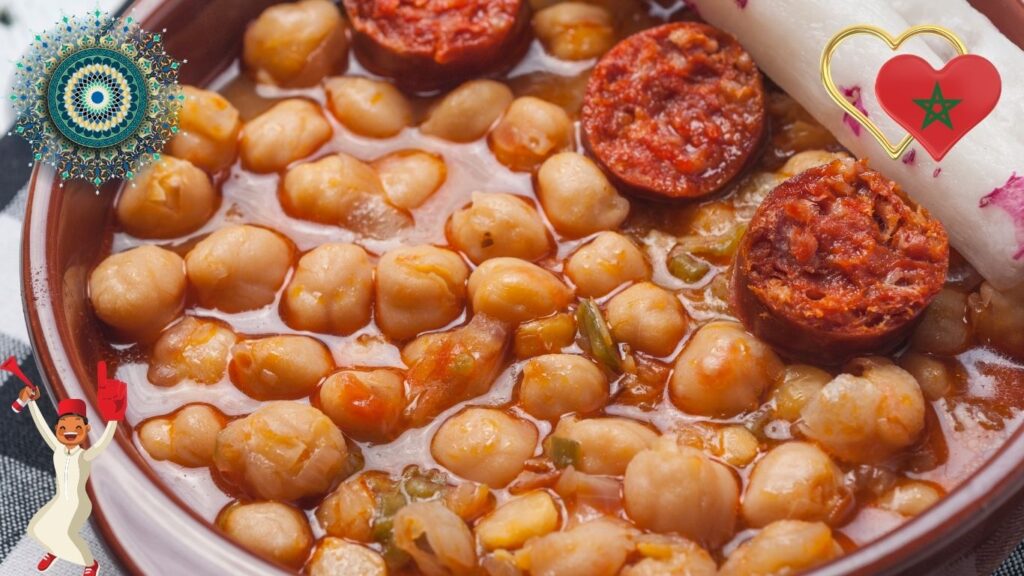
944	105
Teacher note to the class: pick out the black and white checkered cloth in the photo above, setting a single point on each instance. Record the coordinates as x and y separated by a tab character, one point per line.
26	464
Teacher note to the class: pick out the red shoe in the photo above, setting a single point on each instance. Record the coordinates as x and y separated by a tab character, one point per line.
93	570
46	562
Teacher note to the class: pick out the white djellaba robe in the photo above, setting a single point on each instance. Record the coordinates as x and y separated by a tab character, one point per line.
57	524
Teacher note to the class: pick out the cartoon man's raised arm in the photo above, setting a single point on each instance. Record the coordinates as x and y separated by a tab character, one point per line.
42	426
112	397
97	448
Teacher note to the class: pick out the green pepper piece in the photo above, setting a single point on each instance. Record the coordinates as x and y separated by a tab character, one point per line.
686	267
716	246
420	485
564	452
382	528
598	337
394	556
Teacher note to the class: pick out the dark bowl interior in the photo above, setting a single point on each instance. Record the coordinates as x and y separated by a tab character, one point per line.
67	229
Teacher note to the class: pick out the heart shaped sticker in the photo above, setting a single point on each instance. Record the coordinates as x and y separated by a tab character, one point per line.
938	107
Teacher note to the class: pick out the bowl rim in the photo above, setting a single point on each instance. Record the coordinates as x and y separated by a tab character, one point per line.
912	544
62	380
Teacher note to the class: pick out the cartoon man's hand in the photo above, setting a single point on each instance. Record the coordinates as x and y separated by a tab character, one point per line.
28	394
112	395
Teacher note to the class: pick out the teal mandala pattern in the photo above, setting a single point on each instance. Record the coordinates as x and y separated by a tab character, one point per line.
97	97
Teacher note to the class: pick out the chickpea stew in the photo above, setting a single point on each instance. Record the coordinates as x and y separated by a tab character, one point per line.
371	330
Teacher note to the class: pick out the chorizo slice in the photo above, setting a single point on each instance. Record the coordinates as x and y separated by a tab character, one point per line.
674	112
426	45
836	263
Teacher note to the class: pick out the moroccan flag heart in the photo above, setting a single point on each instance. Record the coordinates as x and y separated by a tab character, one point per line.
938	107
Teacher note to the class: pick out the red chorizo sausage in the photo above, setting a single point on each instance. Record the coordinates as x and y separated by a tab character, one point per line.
426	45
836	264
675	111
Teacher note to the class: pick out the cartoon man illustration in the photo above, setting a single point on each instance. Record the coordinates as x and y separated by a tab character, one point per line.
57	524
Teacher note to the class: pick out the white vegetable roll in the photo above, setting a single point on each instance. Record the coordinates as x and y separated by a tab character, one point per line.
977	190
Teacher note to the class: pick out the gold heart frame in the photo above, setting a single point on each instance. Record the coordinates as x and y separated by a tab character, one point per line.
894	151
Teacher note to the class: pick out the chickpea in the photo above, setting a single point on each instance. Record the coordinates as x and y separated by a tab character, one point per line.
943	329
208	127
795	388
998	318
498	225
238	268
410	177
606	445
910	498
192	349
331	290
334	556
469	111
933	376
282	451
366	405
273	530
574	30
516	521
795	481
737	446
648	318
155	435
447	547
670	556
342	191
295	44
673	488
545	335
711	218
279	367
292	129
530	131
186	437
557	384
722	371
484	445
803	161
138	291
783	547
607	262
752	191
368	107
349	511
468	500
513	290
597	548
167	199
577	197
866	418
419	288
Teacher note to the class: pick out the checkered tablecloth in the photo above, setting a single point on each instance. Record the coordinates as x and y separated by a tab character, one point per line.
26	469
26	465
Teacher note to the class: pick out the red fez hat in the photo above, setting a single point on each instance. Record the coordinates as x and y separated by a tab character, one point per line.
71	406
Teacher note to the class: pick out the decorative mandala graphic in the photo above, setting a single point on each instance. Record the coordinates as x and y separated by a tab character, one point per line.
96	97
